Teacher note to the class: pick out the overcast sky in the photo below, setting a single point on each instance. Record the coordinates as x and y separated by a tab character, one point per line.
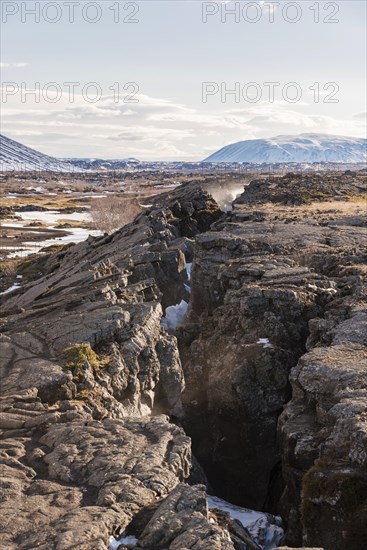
168	53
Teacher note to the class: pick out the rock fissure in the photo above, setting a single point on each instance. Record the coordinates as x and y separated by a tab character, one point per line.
247	287
274	322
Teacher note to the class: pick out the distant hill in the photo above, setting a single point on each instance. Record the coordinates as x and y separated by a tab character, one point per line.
18	157
304	148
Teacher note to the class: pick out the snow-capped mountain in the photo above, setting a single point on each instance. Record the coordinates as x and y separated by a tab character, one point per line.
304	148
18	157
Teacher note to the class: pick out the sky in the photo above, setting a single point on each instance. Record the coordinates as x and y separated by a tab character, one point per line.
178	79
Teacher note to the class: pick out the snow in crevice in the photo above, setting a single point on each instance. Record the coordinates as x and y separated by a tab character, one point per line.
174	316
115	543
265	530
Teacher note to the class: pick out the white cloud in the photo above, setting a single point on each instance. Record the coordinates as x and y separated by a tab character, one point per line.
13	65
158	127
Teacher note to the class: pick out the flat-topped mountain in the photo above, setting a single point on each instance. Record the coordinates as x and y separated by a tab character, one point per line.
304	148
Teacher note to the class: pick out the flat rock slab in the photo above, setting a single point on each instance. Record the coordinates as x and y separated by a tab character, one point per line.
83	481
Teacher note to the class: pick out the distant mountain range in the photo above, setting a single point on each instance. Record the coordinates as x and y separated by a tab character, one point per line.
304	148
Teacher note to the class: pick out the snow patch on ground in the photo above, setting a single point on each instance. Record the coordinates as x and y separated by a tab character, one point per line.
51	219
15	286
168	185
265	342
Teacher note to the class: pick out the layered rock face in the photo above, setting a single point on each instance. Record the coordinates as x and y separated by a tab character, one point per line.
248	326
268	285
325	462
86	373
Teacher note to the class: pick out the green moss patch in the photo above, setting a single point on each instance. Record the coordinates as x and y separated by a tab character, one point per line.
77	355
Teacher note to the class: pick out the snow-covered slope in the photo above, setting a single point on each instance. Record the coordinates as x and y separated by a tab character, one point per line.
18	157
306	148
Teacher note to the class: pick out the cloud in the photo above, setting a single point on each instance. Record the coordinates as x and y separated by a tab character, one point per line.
13	65
149	134
22	133
159	127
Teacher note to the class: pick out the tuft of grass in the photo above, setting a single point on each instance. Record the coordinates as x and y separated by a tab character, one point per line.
318	196
77	355
56	247
9	267
75	358
358	198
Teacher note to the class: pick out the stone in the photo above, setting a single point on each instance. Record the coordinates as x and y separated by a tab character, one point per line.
181	521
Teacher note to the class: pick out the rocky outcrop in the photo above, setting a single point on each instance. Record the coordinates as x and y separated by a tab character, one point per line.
87	371
181	522
108	293
268	285
84	480
300	188
325	463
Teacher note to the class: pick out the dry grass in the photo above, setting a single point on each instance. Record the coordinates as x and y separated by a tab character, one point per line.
9	267
58	202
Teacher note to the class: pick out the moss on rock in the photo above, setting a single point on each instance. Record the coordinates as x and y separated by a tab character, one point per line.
76	356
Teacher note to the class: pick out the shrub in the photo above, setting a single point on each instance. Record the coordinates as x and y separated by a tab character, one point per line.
111	213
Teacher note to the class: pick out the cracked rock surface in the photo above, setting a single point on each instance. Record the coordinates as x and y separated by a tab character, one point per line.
267	376
86	448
